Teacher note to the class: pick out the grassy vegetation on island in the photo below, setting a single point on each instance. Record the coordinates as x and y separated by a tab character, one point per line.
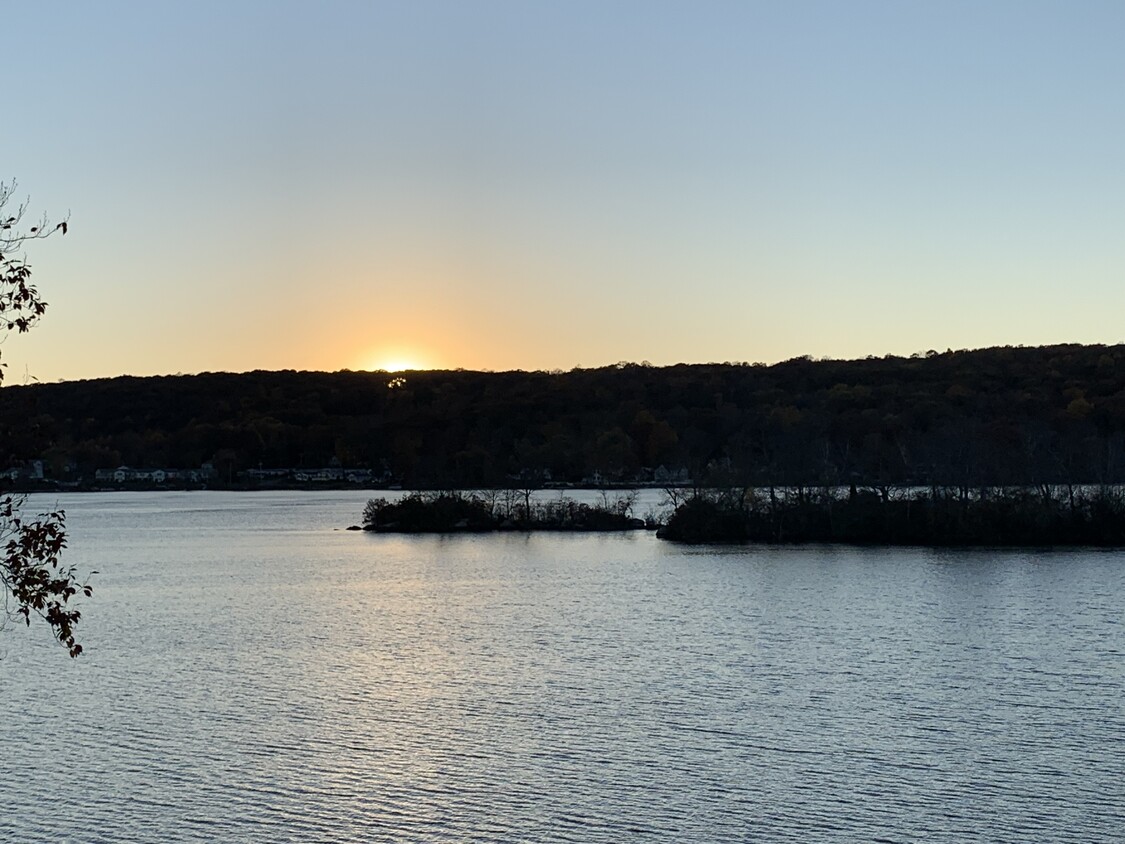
991	516
994	516
489	510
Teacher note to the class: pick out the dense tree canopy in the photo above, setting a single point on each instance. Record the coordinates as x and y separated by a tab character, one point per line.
1000	416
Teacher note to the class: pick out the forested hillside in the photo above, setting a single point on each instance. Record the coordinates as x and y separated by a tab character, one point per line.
994	416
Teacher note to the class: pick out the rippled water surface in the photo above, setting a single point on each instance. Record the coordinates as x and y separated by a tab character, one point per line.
255	674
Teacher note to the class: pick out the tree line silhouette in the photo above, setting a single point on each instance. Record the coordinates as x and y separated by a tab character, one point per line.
959	420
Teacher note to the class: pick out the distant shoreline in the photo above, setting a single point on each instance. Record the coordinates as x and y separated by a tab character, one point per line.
1006	415
28	489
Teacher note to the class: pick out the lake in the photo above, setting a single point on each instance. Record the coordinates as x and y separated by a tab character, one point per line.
254	673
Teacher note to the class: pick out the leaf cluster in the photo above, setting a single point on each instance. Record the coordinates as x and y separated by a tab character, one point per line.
31	574
20	303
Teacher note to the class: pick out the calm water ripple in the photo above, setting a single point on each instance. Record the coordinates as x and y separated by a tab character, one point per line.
254	674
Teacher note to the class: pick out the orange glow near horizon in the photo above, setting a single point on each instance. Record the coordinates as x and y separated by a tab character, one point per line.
398	365
398	359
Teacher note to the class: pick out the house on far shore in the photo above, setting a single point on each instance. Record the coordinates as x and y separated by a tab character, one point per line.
157	476
31	470
664	475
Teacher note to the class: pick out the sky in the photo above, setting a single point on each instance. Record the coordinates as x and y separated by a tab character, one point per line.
502	185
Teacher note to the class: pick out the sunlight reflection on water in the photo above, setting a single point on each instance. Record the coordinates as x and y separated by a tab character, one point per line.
254	673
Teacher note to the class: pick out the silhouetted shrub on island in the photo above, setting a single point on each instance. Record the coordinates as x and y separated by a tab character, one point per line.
417	513
706	519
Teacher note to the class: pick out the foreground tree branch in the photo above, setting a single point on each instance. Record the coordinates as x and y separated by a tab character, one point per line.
33	581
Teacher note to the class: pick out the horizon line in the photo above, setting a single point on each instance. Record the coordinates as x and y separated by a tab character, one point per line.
623	364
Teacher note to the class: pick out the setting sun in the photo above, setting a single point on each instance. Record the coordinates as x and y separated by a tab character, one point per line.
398	365
396	359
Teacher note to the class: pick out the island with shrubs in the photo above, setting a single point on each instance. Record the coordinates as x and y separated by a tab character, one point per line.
454	511
1040	516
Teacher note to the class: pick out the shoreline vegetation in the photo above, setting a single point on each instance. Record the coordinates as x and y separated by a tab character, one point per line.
499	510
1001	417
1000	446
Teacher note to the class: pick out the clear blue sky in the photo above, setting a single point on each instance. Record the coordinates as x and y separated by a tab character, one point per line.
543	185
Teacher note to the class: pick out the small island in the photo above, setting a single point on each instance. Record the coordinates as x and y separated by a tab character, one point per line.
1041	516
498	510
